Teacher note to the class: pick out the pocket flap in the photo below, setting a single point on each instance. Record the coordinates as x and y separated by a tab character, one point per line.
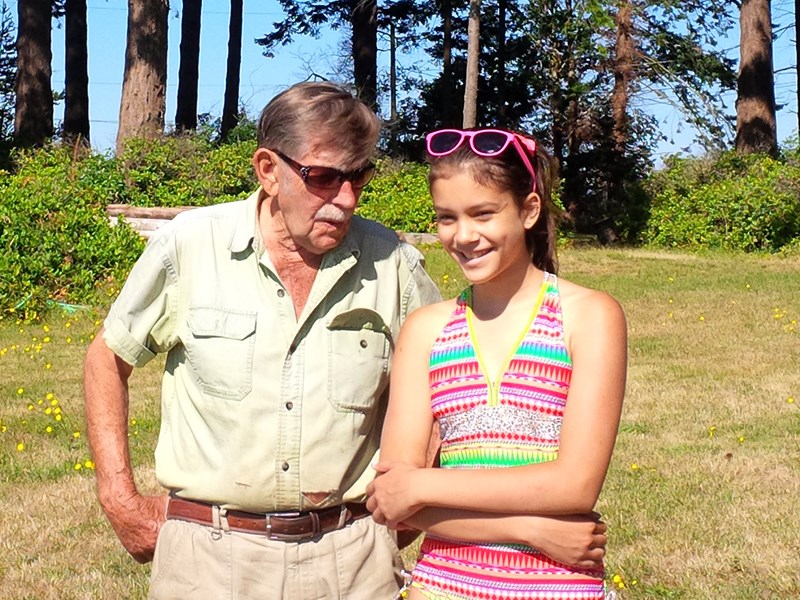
358	319
215	322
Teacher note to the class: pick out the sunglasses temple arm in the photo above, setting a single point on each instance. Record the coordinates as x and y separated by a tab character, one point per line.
524	156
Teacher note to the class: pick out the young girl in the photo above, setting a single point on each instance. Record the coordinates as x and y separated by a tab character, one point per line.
523	372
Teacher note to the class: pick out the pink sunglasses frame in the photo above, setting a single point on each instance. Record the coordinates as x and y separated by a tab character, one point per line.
511	138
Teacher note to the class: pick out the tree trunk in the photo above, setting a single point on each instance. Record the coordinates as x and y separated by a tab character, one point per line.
623	73
364	18
33	117
617	166
141	112
797	54
502	103
448	119
473	54
76	74
755	104
189	70
392	89
230	109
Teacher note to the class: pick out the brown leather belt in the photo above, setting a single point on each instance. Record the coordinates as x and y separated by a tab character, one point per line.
280	526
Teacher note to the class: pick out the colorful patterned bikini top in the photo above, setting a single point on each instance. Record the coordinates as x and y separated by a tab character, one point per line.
516	419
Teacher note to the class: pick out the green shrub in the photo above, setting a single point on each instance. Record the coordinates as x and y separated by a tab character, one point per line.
57	243
749	203
183	170
398	197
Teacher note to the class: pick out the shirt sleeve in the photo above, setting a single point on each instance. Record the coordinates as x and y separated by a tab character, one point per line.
141	322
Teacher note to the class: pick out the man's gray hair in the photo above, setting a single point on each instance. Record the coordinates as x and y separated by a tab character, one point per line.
314	114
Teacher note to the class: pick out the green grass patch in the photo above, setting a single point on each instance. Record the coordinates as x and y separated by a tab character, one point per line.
702	491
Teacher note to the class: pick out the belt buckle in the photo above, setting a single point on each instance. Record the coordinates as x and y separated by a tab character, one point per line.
289	537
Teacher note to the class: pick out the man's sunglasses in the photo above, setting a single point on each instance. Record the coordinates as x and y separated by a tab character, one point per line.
328	178
483	142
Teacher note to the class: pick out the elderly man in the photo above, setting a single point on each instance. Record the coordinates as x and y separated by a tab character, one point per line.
278	315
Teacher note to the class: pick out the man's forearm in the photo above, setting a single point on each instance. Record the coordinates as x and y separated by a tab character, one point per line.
106	407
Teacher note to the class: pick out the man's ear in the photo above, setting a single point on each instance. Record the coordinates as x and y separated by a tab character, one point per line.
531	210
265	167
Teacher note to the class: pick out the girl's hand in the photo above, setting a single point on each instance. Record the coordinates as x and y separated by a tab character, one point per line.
391	497
574	540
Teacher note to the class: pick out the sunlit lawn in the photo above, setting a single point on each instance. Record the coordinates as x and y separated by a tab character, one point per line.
702	496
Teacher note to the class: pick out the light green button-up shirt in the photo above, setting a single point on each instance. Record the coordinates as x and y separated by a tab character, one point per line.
260	407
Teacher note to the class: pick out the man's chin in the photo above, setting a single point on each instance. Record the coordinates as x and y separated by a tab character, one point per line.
323	242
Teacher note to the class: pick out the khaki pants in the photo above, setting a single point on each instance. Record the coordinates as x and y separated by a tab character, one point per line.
196	562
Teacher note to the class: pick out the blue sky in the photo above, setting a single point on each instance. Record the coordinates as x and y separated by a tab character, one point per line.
262	78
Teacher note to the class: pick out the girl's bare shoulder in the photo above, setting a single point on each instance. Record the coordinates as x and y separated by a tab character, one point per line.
580	303
431	313
427	322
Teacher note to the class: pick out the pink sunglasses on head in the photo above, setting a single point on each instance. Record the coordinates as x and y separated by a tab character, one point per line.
483	142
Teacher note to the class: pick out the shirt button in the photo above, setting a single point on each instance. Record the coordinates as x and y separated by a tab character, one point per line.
289	406
281	293
285	466
363	343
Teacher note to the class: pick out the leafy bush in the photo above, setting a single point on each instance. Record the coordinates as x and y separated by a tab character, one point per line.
183	170
749	203
398	197
57	243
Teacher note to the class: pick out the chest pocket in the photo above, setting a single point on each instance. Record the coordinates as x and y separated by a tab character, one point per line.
220	348
359	344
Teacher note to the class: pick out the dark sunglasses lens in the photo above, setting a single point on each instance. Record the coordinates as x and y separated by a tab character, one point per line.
327	178
323	177
490	142
362	177
444	141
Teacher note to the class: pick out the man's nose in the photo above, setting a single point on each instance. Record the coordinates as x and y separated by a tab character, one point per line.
347	196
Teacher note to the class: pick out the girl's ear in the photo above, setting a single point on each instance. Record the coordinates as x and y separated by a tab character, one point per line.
531	209
265	169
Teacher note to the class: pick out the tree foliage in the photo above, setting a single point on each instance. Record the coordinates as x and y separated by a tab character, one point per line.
549	67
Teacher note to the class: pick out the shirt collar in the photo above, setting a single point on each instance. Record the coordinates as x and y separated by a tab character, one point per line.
246	234
246	230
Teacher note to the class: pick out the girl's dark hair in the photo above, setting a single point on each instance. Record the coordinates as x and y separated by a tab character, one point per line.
507	173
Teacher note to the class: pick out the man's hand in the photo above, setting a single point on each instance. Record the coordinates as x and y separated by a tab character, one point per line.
136	521
574	540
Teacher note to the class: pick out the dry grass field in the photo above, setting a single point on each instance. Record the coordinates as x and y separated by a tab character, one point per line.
702	496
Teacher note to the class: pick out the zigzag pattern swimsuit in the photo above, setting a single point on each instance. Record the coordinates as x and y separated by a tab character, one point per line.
486	423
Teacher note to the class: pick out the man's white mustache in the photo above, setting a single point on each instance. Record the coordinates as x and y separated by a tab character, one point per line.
328	212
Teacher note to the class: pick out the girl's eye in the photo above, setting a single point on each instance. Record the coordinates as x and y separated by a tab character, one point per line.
443	219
